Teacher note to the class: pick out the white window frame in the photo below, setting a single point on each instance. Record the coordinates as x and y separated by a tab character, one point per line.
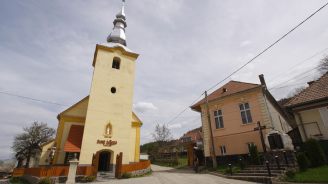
223	150
244	110
218	119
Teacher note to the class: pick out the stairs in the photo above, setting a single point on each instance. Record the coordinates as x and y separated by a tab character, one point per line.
105	176
259	173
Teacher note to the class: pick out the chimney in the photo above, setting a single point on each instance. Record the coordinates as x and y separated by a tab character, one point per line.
311	82
262	81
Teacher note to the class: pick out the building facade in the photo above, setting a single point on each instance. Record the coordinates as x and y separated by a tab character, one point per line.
310	110
102	125
234	110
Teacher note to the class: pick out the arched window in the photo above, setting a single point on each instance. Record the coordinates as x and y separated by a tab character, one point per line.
116	63
108	130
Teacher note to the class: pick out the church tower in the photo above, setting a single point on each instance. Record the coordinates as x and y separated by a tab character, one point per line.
111	126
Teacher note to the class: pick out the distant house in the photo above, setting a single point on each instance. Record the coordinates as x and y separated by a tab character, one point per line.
234	110
310	110
193	136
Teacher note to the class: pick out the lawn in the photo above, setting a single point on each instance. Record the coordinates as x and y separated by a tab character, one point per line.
317	175
182	162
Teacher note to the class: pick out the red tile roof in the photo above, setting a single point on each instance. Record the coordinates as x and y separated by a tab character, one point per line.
316	91
74	139
229	88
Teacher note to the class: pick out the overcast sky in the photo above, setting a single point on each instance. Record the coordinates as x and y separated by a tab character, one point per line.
185	46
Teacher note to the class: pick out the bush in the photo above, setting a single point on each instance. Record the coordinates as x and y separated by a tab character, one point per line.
254	155
303	161
241	163
290	174
314	152
45	181
18	180
86	179
126	175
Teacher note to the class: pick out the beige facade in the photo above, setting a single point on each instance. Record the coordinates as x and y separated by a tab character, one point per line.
236	135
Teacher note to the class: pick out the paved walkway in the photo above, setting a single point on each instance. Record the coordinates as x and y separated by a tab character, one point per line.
167	175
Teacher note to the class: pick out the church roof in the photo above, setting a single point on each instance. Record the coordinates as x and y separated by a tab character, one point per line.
118	33
74	139
81	107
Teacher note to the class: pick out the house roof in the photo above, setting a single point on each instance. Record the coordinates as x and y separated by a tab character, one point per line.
195	134
228	89
74	139
317	90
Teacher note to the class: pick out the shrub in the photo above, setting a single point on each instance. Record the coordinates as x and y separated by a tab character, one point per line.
126	175
90	178
303	161
254	155
241	163
314	152
45	181
290	174
18	180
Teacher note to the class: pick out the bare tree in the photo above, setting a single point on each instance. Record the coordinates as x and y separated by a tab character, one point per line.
323	66
28	143
162	134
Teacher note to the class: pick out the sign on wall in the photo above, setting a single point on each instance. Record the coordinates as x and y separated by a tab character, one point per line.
107	143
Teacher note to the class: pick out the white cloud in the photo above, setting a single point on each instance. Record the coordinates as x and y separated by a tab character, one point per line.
175	126
143	107
245	43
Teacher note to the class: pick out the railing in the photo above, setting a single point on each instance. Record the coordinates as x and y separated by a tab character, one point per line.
135	166
46	171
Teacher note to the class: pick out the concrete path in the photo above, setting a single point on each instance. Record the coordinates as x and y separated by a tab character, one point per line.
167	175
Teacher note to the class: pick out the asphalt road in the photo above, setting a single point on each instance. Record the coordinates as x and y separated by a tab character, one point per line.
167	175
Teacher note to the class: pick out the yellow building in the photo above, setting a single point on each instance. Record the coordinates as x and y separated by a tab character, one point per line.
101	125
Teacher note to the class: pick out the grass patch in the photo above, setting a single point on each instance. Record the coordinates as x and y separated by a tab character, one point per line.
224	169
182	162
316	175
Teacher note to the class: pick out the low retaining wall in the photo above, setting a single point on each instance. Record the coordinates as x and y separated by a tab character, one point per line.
136	169
54	171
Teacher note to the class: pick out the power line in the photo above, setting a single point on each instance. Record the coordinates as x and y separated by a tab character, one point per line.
298	64
271	45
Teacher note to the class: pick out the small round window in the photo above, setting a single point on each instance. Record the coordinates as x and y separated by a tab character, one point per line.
113	90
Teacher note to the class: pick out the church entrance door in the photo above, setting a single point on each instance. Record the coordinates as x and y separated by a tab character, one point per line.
104	161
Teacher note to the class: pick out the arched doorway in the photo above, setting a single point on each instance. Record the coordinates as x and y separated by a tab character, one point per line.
104	160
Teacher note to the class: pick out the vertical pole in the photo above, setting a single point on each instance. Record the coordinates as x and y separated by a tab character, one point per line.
277	161
268	167
262	137
286	159
211	133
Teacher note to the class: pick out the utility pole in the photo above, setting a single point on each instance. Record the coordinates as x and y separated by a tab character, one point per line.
212	152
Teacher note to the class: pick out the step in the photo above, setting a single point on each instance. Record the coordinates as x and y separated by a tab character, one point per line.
255	174
260	171
257	179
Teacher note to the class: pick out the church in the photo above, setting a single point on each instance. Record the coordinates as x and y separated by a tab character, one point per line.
102	124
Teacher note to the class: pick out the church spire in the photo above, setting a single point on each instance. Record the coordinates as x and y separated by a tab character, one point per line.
118	33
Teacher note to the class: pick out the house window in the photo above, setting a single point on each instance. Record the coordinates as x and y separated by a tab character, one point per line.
275	141
245	113
223	150
218	119
249	145
116	63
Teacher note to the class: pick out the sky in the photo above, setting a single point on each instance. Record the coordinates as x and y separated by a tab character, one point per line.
185	47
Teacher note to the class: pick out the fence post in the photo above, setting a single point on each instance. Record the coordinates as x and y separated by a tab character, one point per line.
230	169
285	156
277	161
268	167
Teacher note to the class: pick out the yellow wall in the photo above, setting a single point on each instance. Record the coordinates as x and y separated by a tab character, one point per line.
45	153
313	124
105	107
